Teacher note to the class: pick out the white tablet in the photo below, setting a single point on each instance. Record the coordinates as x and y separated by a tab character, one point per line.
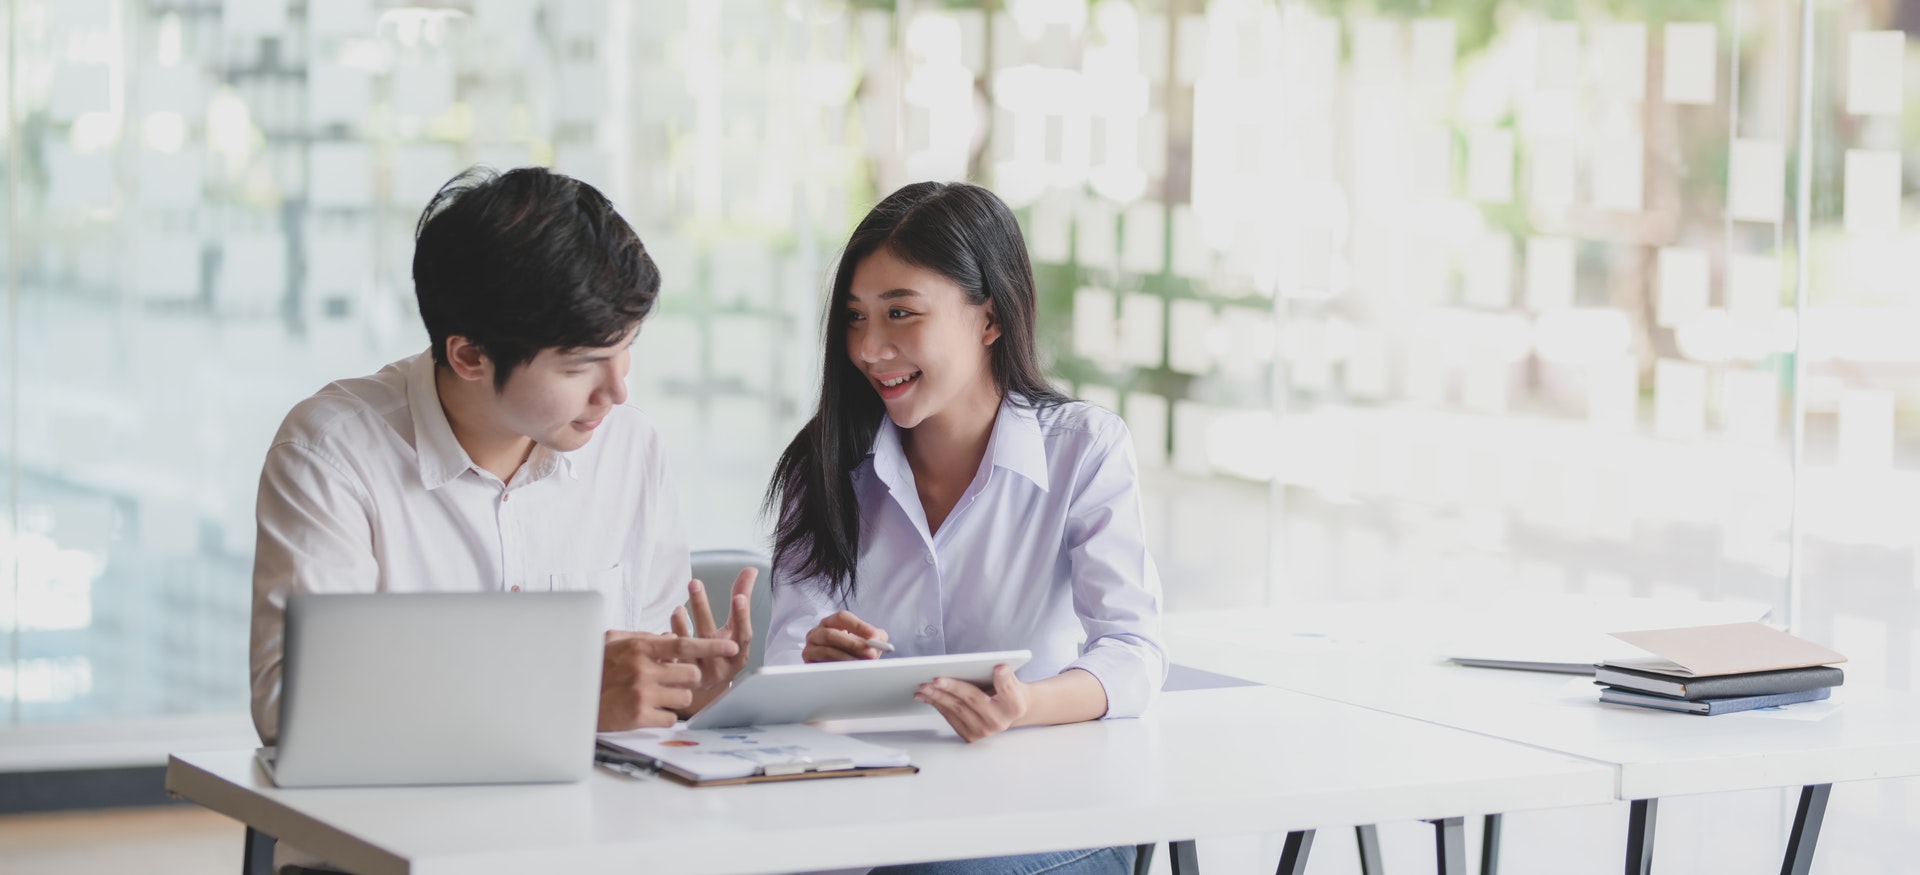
841	690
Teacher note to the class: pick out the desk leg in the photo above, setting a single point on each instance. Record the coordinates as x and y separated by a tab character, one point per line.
1640	816
1806	829
1293	855
1490	846
1368	838
1184	857
1450	845
1143	858
257	859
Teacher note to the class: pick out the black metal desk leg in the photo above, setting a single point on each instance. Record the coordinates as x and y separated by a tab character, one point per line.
1369	839
1450	845
1293	855
1143	858
1806	829
1640	816
257	859
1490	845
1184	857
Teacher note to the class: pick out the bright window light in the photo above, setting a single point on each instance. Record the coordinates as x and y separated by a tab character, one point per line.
54	589
47	680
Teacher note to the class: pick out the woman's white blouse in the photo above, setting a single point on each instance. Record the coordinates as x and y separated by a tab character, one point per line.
1043	552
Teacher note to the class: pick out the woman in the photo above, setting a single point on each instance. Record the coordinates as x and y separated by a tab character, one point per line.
945	498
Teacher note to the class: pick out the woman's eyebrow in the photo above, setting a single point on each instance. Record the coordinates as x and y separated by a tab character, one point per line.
888	295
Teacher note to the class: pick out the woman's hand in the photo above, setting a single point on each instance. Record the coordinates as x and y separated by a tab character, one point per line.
840	637
973	712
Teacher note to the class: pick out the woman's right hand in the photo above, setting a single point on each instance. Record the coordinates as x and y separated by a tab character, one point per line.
840	637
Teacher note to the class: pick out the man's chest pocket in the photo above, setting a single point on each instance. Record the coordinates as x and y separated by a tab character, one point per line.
610	583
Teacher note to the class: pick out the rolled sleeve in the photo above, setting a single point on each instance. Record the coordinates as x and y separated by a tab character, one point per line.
314	534
798	606
1116	588
659	585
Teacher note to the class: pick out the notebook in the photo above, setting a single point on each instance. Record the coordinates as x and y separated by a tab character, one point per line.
748	754
1712	707
1568	665
1758	683
1710	651
1535	634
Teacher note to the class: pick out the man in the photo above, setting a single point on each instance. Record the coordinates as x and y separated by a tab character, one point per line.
504	458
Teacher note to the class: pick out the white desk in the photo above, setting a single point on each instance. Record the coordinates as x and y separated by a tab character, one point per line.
1387	656
1203	763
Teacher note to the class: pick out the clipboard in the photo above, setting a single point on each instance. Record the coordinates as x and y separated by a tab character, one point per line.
746	755
637	765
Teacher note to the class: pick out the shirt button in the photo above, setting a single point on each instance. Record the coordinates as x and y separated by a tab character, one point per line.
516	587
927	632
929	558
504	496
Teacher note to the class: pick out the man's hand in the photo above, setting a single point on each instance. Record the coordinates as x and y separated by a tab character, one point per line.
645	679
717	672
973	712
840	637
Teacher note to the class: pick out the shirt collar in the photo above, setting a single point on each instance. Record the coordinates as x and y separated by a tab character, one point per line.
549	461
1016	445
440	455
889	457
441	458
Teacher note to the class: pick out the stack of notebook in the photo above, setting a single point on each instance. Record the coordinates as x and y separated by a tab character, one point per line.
1712	670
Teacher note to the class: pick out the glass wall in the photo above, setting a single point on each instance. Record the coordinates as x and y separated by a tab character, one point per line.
1398	299
1860	508
211	208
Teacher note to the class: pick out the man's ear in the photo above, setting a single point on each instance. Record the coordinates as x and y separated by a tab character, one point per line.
467	360
993	325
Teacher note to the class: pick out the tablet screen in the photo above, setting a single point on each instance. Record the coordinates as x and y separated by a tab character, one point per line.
844	690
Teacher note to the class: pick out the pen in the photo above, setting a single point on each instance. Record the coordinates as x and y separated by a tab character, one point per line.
881	646
631	770
627	762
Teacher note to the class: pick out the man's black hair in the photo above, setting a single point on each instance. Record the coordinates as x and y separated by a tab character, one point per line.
527	260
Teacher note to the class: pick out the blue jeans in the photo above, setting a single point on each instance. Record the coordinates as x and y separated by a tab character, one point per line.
1093	861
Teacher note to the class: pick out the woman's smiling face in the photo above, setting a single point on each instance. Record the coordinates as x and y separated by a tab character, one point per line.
918	340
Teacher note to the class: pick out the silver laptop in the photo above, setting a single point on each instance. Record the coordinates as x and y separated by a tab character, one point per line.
438	688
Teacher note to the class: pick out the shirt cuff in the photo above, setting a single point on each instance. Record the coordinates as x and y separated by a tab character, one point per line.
1130	672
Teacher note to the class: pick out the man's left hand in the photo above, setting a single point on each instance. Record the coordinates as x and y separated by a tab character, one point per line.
717	673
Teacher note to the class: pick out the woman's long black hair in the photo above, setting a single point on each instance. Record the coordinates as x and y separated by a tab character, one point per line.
964	233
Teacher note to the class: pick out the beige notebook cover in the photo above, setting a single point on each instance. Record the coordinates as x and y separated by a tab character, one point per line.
1735	648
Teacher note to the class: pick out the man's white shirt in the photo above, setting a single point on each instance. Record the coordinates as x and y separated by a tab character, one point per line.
365	489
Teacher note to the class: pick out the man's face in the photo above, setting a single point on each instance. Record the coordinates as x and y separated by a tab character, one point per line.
560	396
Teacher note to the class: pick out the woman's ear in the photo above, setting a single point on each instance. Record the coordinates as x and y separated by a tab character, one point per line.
992	332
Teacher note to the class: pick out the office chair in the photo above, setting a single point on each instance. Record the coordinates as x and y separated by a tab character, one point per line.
716	569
